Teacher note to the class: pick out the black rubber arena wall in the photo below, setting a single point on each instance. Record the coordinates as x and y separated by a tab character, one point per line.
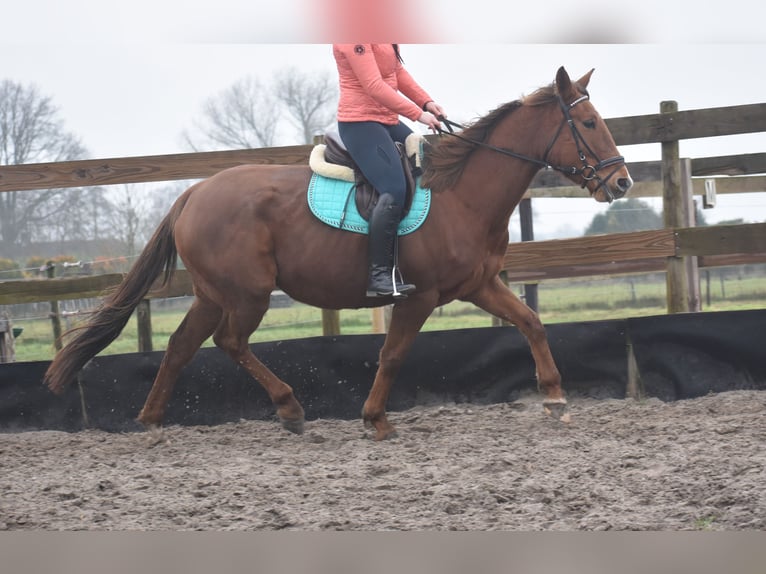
678	356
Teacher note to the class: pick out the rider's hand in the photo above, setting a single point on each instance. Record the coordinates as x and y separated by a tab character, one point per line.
430	120
435	109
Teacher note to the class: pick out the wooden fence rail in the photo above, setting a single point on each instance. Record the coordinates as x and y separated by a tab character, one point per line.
655	128
673	178
529	261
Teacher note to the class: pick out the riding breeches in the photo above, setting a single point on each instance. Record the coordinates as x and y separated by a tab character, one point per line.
371	145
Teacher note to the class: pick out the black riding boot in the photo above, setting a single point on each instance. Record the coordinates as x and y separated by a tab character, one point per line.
383	224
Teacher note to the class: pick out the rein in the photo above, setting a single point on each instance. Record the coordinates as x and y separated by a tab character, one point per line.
586	171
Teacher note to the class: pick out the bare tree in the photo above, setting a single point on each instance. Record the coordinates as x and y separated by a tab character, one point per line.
128	214
160	201
249	113
31	132
242	116
310	100
84	216
96	213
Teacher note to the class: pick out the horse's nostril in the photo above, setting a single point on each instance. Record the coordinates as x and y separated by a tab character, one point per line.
624	183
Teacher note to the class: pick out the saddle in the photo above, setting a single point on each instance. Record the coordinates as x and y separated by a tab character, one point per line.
332	159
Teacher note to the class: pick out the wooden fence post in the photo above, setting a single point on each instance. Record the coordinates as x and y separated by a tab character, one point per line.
7	349
144	319
673	217
330	322
528	234
56	322
50	271
634	388
379	323
694	302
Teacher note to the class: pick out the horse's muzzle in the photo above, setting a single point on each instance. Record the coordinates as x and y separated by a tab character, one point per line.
614	186
621	186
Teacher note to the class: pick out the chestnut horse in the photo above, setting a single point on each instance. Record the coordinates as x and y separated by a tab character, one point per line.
247	231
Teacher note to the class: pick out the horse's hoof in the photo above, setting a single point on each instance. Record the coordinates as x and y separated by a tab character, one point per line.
386	434
156	435
383	429
558	410
294	426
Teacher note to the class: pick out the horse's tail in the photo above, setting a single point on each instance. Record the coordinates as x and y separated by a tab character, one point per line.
109	320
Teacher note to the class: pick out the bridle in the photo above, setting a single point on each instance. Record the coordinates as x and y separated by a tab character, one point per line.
587	171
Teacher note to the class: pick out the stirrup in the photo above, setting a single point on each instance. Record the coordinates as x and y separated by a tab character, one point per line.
394	287
401	290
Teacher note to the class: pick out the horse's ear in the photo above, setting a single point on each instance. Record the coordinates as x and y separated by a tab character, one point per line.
583	82
563	83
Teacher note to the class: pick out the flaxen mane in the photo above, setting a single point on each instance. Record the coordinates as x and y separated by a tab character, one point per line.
444	161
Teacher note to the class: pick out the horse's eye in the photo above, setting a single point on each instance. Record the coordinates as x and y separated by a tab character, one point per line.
590	124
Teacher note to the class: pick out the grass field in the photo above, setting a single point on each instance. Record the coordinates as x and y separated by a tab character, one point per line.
559	302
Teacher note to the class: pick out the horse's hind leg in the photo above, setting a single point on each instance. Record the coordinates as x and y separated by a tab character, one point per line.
198	324
232	337
497	299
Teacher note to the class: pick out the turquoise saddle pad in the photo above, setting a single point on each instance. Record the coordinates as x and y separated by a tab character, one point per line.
332	201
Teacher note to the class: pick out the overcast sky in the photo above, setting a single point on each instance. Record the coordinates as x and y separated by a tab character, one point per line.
128	80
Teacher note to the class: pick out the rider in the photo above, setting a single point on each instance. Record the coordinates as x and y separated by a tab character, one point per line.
375	89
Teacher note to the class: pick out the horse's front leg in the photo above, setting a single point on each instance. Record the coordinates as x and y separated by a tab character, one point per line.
407	318
497	299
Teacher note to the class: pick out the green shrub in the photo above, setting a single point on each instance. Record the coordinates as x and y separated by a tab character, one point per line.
9	269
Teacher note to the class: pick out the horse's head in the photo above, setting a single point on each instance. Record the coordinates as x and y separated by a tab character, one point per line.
583	148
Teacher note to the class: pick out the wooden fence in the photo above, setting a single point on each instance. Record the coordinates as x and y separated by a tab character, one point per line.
679	249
